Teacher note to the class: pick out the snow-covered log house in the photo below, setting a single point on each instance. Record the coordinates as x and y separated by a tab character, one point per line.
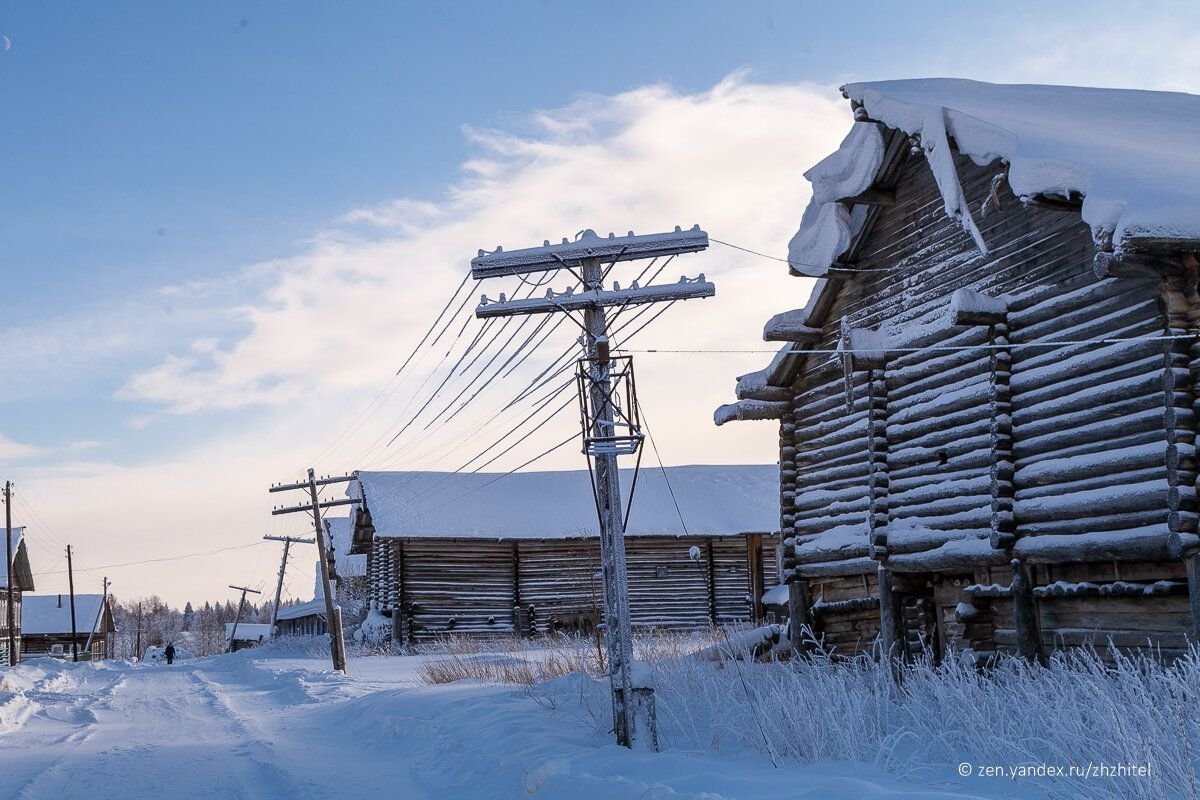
21	575
46	626
987	408
496	554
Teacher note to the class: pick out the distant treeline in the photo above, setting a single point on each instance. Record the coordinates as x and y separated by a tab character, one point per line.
200	631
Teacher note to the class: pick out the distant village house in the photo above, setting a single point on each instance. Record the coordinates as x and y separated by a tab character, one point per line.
46	626
21	575
486	554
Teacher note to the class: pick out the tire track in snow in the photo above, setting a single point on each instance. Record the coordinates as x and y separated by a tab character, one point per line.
48	694
270	782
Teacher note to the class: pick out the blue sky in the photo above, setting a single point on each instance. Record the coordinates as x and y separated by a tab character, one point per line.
181	180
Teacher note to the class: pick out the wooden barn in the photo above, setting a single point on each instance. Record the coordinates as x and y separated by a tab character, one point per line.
302	619
21	575
248	634
46	626
987	408
488	554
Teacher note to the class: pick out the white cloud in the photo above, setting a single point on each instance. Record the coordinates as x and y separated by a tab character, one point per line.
339	316
15	451
332	324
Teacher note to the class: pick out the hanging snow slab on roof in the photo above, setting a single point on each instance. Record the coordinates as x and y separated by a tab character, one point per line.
47	614
24	579
348	566
714	500
1130	154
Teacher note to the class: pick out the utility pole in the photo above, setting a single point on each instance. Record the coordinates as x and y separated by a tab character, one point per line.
137	655
608	429
8	575
238	616
333	617
287	541
71	586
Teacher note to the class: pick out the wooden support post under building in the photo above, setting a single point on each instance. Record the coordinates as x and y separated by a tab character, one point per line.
754	564
1029	645
799	619
1193	580
891	622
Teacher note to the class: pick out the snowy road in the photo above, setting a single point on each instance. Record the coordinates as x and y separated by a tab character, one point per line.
232	727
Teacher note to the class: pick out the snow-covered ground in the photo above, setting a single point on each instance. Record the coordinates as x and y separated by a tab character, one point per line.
245	727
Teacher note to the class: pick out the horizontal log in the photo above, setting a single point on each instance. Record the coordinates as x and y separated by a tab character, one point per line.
1139	544
854	566
1110	499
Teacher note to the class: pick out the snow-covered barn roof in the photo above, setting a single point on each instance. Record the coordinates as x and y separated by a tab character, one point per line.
249	631
50	614
309	609
1128	156
713	500
22	572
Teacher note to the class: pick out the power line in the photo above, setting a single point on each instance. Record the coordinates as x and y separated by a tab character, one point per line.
791	263
159	560
930	348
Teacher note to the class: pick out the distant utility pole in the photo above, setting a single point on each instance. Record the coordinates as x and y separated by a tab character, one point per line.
8	575
287	542
238	616
333	616
609	429
138	647
71	586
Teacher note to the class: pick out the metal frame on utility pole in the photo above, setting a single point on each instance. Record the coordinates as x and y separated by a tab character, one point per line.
238	616
333	614
585	258
287	543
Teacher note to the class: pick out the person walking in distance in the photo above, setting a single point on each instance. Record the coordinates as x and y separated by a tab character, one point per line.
170	652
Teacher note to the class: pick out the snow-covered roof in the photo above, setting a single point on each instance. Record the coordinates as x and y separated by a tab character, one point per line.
249	631
311	608
1130	155
549	505
45	614
21	569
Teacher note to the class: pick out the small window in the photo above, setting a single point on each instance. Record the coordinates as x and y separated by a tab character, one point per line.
56	649
660	572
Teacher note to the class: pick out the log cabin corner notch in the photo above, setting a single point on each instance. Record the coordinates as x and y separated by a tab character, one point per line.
1016	470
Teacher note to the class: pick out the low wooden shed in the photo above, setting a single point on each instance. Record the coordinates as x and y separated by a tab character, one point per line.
46	626
987	408
490	554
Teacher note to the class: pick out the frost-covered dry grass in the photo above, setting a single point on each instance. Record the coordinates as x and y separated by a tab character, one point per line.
1078	711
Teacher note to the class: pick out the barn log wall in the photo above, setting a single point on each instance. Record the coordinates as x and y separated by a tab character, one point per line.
495	587
1074	459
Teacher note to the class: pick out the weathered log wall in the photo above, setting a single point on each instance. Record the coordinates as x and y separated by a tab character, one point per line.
972	445
490	587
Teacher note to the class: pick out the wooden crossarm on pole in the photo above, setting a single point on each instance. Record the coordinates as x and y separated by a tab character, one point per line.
349	501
